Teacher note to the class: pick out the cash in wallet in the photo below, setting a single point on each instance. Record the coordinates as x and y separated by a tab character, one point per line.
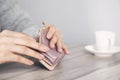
52	57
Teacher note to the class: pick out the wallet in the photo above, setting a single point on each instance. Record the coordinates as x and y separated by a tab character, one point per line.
52	57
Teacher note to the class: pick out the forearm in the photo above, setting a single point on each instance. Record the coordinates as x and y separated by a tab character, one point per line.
13	18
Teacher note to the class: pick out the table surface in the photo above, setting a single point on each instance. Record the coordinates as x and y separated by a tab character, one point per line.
79	65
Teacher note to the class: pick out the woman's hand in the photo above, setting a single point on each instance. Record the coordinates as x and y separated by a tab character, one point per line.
13	43
56	39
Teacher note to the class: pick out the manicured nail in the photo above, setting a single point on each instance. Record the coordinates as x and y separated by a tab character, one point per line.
48	36
67	52
45	48
41	57
53	46
60	50
31	62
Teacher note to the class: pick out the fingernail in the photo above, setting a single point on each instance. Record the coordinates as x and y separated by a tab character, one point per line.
48	36
60	50
67	52
31	62
45	48
41	57
53	46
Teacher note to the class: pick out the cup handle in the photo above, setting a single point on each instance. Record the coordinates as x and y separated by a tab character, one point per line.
109	43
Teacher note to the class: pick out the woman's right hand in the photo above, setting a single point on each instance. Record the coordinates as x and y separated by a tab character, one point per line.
13	43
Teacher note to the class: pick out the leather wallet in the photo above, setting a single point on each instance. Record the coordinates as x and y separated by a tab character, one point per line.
52	57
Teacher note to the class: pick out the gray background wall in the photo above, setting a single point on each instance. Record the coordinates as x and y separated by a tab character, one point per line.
77	19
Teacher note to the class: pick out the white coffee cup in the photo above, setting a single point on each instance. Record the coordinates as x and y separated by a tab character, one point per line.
104	40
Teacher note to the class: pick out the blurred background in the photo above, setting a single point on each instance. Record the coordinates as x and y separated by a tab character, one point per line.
77	19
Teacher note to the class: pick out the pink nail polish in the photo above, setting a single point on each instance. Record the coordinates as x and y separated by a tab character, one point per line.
48	36
53	46
60	50
41	57
31	62
67	52
46	48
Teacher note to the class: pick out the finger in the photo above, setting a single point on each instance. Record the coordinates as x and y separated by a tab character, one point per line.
16	34
53	41
24	42
26	51
16	58
59	46
51	32
65	48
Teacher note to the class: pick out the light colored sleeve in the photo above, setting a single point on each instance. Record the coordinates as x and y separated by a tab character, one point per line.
12	17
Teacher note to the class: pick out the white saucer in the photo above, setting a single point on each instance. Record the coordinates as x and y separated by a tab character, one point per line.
106	53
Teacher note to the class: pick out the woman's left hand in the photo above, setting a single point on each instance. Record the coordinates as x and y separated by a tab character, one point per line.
56	39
